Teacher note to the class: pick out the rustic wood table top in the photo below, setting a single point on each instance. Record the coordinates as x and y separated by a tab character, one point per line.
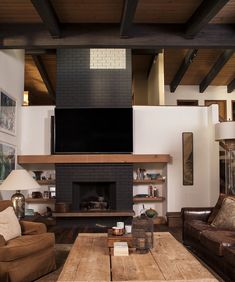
90	260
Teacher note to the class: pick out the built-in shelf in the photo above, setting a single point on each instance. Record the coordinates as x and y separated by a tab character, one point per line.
39	201
93	214
95	158
46	182
148	181
148	199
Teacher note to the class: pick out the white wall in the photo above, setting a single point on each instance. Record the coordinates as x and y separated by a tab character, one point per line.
35	129
187	92
12	82
158	130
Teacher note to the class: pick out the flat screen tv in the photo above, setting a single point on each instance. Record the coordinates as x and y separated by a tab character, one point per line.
96	130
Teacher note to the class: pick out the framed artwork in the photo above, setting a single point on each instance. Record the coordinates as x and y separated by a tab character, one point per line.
187	144
7	113
7	159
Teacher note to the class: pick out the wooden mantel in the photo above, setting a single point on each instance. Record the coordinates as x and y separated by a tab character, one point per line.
96	158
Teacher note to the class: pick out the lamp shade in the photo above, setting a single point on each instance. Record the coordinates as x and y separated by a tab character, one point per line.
225	130
19	180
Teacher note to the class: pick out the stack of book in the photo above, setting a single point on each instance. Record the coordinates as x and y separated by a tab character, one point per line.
120	249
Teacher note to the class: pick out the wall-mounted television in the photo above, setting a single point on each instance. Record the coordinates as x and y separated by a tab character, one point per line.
93	130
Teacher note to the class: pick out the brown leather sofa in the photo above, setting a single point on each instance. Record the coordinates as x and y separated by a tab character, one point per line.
29	256
215	246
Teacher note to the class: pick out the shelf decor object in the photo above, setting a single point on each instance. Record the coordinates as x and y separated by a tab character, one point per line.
225	132
19	180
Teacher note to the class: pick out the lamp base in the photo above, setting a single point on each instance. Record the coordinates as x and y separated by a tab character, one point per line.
18	201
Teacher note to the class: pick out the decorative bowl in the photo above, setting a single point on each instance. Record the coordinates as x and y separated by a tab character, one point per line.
151	213
117	231
153	176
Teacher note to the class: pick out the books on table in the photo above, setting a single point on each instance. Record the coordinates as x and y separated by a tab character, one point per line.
120	249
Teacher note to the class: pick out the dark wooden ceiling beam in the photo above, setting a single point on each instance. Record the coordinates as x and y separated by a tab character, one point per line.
146	51
48	16
43	72
128	14
231	86
35	36
202	16
188	59
222	60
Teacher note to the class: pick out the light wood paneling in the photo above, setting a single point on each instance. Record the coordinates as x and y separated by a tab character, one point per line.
18	11
33	80
106	11
38	93
99	158
162	11
199	68
227	74
89	11
226	14
172	60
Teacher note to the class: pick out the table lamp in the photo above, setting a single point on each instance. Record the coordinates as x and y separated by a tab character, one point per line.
19	180
225	132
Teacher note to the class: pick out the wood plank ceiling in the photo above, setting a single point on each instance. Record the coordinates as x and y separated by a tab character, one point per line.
203	28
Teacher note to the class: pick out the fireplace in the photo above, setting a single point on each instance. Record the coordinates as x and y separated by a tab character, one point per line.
95	187
94	196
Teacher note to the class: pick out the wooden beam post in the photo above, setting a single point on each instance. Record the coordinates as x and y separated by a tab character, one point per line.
48	16
202	16
223	59
43	72
127	17
188	59
231	86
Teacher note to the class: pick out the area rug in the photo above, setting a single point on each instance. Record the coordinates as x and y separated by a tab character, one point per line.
62	251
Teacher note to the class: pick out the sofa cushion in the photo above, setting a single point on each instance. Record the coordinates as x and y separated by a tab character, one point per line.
216	208
226	215
216	241
9	224
194	228
26	245
229	255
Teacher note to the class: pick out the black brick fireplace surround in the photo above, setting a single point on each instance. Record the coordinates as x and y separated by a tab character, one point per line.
120	175
78	86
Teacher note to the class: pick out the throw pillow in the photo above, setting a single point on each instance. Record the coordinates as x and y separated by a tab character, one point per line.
226	216
9	224
216	208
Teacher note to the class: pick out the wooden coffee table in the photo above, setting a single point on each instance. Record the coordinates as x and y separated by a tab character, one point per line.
169	260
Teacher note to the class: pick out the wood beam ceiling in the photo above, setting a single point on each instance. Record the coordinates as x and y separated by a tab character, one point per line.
231	86
43	72
188	59
48	16
222	60
107	36
128	14
202	16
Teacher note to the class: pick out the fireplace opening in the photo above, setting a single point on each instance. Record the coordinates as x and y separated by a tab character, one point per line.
94	196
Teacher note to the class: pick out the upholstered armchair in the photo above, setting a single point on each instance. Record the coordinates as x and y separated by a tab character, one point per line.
27	257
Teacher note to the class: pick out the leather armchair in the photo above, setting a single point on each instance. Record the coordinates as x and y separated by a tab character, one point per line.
28	257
